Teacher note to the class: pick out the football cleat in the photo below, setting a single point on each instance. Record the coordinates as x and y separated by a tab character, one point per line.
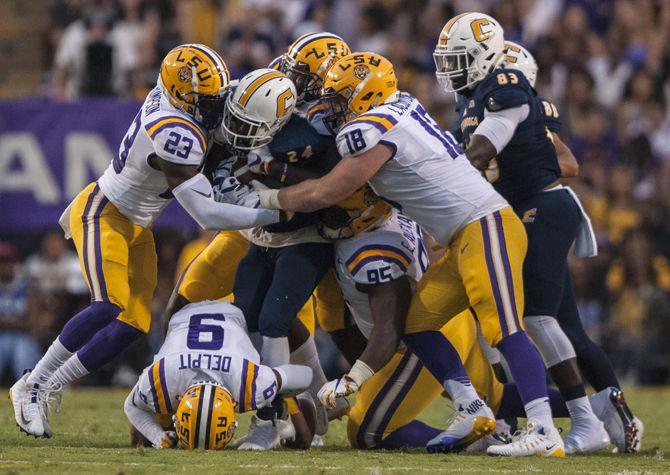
587	436
468	424
534	440
501	436
625	430
26	402
266	435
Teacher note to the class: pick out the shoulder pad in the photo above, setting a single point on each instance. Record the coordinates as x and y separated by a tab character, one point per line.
378	256
177	139
364	132
550	113
504	89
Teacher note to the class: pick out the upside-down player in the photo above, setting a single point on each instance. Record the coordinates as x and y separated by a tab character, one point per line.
205	372
593	362
390	141
110	222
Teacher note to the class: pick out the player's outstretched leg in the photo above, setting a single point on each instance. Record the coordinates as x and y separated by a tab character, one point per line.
29	394
473	419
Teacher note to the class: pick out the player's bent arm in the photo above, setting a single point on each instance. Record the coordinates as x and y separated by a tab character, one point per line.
389	303
194	193
493	134
566	160
348	175
143	419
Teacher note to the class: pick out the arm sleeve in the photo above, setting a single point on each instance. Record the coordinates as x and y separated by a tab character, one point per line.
195	196
294	378
142	417
499	126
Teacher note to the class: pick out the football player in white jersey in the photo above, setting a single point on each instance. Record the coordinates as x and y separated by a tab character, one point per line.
110	223
390	141
205	372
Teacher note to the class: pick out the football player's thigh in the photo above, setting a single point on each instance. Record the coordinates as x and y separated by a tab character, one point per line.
491	266
392	398
143	273
439	296
329	304
101	236
211	274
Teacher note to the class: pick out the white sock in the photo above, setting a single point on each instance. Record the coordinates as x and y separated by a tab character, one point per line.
307	355
540	411
71	371
53	359
275	351
460	393
580	408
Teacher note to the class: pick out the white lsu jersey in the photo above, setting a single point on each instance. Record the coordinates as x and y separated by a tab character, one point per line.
383	254
139	191
428	178
206	341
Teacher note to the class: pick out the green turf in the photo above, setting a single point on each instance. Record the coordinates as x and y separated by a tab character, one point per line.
92	437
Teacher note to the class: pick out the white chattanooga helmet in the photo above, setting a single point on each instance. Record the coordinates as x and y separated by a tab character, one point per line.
260	106
470	46
518	57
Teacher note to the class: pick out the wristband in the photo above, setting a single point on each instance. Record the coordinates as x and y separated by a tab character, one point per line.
360	372
269	199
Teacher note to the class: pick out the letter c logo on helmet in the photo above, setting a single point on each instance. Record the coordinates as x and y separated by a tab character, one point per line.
284	102
482	29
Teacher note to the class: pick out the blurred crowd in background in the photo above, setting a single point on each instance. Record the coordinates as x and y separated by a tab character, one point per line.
604	63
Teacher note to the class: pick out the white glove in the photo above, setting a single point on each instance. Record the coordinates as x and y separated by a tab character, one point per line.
336	388
230	190
259	160
168	440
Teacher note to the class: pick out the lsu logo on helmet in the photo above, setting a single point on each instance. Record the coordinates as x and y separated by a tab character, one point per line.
194	78
308	59
205	418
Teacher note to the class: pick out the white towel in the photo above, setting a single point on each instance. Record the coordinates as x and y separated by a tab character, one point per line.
64	221
585	243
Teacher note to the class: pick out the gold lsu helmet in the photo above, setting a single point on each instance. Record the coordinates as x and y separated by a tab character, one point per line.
307	61
195	78
357	83
205	417
359	212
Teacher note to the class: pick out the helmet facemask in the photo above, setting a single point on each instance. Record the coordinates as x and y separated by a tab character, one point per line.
243	133
338	112
454	69
209	110
307	84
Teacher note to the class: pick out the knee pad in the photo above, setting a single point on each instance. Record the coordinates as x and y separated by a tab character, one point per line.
546	333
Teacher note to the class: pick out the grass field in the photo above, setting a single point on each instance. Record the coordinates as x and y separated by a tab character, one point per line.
92	437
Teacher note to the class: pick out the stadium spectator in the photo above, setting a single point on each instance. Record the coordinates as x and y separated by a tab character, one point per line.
18	348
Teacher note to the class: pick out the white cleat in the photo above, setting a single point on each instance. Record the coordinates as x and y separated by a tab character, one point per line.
625	430
500	436
534	440
27	409
266	435
586	436
469	424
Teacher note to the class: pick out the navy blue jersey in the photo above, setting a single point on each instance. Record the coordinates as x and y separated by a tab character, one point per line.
298	143
552	118
528	163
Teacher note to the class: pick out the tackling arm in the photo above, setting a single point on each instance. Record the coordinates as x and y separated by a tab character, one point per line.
144	420
311	195
194	192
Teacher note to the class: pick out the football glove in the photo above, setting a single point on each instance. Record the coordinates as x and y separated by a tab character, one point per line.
168	440
230	190
259	160
336	388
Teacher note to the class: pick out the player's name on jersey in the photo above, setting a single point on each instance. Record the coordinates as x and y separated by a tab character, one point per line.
204	361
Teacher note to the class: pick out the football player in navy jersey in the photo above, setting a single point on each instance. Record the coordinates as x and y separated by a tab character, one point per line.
502	127
593	362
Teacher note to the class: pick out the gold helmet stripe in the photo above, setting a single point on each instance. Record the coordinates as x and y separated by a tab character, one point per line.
216	59
447	27
308	38
253	87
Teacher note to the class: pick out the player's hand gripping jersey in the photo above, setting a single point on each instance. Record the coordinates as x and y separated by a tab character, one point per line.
139	191
206	341
428	173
